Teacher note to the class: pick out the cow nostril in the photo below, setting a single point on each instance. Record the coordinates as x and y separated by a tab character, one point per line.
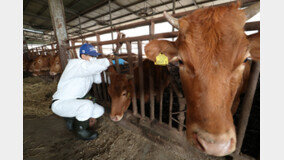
199	145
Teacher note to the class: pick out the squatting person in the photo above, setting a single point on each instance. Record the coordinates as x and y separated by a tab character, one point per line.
75	82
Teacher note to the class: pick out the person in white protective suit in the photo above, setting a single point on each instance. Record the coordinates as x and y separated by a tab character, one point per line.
75	82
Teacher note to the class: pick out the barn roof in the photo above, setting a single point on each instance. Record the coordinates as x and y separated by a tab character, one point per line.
88	16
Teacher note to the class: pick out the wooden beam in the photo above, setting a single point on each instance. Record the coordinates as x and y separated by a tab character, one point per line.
58	21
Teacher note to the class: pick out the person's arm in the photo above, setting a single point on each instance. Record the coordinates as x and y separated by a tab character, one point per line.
88	68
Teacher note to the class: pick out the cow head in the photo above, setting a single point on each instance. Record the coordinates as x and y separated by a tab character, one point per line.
41	63
211	50
120	91
55	66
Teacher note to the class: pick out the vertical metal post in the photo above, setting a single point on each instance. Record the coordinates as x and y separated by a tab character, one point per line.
161	103
74	54
152	29
141	79
110	18
99	89
152	99
115	55
182	103
43	50
26	50
100	49
53	51
174	11
246	106
104	86
171	106
151	83
107	85
134	101
58	21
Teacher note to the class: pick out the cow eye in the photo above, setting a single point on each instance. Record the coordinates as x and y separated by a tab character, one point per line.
124	94
180	61
247	59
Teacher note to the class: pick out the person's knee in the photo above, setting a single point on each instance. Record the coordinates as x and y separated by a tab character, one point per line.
54	109
84	111
98	111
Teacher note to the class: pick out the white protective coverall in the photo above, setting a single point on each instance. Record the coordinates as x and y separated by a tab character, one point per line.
75	82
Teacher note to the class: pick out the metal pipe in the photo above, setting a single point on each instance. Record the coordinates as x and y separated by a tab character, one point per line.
152	99
134	100
161	104
246	106
141	79
171	106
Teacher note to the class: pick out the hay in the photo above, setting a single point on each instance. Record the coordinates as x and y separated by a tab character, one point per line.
38	96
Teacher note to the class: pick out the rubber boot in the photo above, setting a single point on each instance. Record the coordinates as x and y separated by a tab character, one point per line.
69	123
80	128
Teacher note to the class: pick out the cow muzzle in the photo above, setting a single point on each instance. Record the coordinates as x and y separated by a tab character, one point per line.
216	145
52	73
116	118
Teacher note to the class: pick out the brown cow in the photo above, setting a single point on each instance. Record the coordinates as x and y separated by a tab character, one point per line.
121	91
40	64
212	49
55	66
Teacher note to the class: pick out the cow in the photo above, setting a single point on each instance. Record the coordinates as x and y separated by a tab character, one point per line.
55	66
121	90
40	64
212	51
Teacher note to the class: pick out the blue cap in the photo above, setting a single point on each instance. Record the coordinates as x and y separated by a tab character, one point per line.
89	50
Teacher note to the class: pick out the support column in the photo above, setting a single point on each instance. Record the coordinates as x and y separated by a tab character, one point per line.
53	51
74	50
43	50
57	14
26	50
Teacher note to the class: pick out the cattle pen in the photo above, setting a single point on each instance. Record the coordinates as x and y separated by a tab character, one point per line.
163	121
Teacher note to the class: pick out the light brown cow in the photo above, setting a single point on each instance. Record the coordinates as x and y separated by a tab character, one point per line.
55	66
40	64
212	49
121	91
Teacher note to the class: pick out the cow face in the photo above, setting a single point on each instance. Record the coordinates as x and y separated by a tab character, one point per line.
211	50
41	63
120	91
55	66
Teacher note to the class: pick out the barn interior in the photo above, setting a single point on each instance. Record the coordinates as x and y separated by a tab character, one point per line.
119	29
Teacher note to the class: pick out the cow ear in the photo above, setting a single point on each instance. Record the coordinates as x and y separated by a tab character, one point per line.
254	46
155	47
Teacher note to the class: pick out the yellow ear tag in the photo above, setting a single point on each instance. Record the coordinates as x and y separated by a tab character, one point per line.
162	60
128	95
